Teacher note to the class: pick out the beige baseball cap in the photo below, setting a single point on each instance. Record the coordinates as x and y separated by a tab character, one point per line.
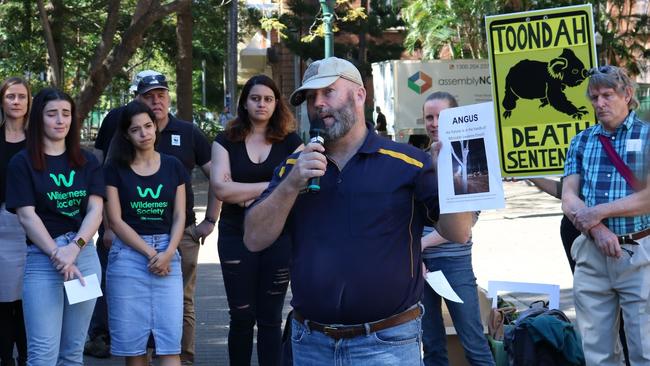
323	73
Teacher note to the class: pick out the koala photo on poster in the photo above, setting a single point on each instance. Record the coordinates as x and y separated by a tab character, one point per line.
470	166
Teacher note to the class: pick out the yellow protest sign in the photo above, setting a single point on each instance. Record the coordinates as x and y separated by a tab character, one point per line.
539	62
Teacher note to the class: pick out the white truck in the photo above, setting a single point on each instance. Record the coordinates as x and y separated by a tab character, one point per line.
401	86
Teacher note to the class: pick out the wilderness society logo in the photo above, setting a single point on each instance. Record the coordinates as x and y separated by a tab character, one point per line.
146	209
68	203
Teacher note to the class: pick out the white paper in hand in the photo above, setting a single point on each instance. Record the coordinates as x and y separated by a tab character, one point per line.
78	293
441	286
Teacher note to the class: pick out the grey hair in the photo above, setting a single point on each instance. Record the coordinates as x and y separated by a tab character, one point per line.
613	77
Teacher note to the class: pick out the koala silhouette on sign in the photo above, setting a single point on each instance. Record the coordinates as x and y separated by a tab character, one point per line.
546	81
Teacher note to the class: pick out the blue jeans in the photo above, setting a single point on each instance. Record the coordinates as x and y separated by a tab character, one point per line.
398	345
56	331
466	316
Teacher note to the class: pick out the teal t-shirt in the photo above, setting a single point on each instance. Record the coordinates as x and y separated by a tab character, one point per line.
147	202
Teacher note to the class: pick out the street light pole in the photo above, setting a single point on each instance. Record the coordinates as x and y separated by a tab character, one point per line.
231	79
327	21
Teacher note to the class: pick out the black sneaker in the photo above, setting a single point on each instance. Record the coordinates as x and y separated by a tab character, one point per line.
98	347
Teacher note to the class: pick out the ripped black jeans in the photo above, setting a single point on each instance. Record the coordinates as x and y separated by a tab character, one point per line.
256	284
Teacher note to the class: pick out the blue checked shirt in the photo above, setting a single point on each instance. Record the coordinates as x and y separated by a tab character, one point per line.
600	181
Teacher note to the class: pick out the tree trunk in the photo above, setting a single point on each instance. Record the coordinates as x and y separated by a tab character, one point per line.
53	58
184	61
102	71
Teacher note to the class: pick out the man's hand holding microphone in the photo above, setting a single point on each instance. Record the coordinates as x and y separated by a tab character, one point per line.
311	163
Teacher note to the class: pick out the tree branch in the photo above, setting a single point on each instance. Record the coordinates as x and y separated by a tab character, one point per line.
146	13
106	42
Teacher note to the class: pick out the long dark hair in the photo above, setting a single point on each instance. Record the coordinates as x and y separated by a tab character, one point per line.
3	90
281	123
122	150
35	130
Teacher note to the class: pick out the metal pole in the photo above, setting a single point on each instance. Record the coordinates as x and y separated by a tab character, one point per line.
231	88
327	21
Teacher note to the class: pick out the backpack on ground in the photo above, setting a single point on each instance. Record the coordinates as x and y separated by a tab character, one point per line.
543	337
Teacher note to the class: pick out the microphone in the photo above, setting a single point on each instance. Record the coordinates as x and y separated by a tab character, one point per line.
316	134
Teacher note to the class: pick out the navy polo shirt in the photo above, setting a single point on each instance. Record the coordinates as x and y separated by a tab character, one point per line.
187	143
356	244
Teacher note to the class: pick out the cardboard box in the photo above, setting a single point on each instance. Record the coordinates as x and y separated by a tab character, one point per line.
455	350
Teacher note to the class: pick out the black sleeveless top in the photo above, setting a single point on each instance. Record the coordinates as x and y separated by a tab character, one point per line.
243	170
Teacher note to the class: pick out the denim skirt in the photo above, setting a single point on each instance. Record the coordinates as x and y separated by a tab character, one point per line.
141	303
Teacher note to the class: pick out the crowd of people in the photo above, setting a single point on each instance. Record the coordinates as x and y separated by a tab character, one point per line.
355	252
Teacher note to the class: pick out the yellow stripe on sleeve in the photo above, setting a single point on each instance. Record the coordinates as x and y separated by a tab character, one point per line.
283	169
401	156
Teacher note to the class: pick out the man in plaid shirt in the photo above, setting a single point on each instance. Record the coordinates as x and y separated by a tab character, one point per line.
613	253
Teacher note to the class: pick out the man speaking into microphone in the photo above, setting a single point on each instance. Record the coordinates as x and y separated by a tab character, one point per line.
355	268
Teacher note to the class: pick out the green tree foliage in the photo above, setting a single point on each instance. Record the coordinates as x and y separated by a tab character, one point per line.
458	24
101	44
302	31
625	34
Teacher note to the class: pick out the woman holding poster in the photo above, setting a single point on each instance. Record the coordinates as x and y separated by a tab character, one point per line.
455	262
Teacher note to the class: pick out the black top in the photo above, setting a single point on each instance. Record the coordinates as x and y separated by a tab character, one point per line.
147	202
59	192
7	151
181	139
381	122
243	170
107	130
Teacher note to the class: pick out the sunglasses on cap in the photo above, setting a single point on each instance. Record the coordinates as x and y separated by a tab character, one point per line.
153	79
607	69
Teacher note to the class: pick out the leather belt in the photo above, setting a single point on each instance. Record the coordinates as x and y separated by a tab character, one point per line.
350	331
632	238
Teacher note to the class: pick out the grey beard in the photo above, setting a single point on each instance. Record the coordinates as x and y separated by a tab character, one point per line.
344	120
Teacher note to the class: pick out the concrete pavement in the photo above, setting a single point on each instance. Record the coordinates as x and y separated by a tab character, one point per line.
518	243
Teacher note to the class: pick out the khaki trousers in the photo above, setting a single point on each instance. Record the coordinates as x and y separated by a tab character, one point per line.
189	250
601	287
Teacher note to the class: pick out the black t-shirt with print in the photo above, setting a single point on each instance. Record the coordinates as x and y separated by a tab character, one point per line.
59	192
181	139
147	202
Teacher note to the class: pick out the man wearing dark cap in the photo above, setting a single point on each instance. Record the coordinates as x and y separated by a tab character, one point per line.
355	272
185	141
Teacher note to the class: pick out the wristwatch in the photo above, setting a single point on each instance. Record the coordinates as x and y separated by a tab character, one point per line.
80	242
210	220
